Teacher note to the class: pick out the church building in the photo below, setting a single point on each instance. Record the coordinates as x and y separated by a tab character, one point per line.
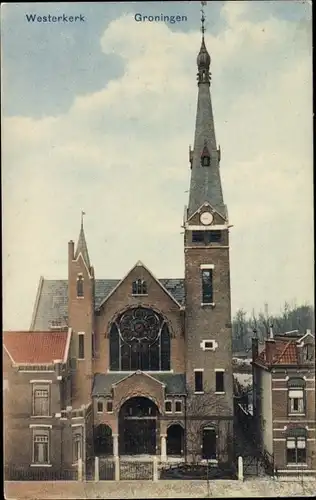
137	365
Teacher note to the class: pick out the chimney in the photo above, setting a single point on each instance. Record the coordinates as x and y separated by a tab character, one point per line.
255	346
308	331
270	347
71	250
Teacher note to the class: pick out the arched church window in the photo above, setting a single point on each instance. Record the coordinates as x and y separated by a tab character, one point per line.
80	292
139	340
139	287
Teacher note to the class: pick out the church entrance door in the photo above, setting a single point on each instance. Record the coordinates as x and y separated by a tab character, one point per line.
137	427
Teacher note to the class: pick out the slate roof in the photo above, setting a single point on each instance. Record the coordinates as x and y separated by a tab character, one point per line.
82	247
205	181
102	383
51	307
35	347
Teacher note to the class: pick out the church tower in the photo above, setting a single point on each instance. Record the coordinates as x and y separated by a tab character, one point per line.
207	282
81	318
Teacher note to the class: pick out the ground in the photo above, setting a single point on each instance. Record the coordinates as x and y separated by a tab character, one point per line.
161	489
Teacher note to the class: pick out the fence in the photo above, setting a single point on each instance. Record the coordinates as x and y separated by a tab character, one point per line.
201	471
28	473
114	469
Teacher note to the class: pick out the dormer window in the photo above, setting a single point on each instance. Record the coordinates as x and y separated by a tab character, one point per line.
80	286
206	161
205	157
139	287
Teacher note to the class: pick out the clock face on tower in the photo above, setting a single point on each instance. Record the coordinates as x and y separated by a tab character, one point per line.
206	218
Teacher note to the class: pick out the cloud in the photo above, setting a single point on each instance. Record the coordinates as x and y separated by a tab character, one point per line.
121	154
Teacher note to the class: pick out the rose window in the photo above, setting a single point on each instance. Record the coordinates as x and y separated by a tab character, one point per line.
139	340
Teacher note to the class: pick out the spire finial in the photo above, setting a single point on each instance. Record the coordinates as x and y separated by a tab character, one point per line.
82	214
202	18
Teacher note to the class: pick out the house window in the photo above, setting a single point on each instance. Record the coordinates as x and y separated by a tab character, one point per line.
100	406
296	450
80	286
198	381
219	381
81	345
209	443
109	406
178	406
77	447
41	447
296	401
168	406
139	287
41	401
207	286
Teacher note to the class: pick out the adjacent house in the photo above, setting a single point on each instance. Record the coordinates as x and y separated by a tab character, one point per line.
284	400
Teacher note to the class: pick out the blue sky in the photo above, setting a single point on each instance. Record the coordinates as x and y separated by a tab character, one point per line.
99	116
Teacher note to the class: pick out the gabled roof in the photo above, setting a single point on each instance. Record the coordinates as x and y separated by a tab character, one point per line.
36	347
51	306
140	264
103	382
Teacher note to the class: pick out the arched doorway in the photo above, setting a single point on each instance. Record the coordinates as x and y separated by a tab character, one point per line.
103	441
209	443
175	437
137	427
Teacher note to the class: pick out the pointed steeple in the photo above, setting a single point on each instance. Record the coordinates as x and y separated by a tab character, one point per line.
82	245
205	176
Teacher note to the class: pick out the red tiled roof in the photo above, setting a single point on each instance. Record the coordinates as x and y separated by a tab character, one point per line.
35	347
285	353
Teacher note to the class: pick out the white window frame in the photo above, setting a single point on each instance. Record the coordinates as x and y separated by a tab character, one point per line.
199	370
204	267
204	348
168	401
301	399
39	431
223	371
295	440
39	385
80	440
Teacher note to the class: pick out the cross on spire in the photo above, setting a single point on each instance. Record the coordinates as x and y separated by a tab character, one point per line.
202	18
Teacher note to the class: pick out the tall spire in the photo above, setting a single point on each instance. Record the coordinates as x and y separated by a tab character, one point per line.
82	244
205	176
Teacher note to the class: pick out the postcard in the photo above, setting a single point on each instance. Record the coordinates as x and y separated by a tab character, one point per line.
158	285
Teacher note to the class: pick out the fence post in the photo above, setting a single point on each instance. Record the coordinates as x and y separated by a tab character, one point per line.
80	469
96	469
155	469
240	469
117	468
